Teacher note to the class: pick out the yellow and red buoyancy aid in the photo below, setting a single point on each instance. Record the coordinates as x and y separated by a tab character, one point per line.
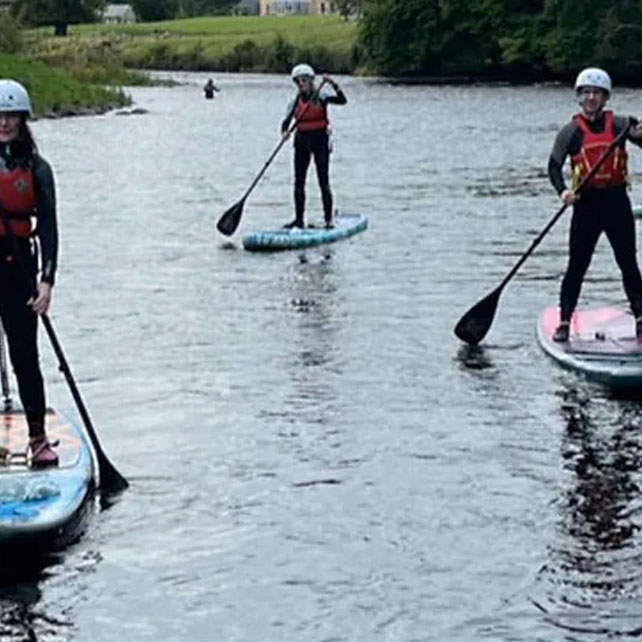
18	200
310	116
613	170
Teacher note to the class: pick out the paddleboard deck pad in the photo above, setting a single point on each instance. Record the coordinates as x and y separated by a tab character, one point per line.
43	508
345	225
602	345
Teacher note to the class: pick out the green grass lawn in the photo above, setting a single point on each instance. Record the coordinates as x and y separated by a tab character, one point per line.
233	43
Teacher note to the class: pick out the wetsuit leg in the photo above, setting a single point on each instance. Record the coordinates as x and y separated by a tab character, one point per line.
301	164
585	231
619	226
21	327
322	163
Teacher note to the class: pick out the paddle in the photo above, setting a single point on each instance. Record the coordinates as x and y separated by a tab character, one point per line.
228	223
4	377
474	325
111	481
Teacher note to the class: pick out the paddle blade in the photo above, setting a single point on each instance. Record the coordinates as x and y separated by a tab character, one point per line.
111	481
228	223
474	325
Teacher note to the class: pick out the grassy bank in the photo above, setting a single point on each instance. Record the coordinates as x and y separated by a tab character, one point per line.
55	92
222	43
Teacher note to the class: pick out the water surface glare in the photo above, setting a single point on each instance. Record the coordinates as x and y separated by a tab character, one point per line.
313	455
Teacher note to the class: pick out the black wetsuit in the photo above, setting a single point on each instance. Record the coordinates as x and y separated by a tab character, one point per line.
306	145
209	89
18	319
598	210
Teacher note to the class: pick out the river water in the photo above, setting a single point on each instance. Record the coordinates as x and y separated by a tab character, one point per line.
313	455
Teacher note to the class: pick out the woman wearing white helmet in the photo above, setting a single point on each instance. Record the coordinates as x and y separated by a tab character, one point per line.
27	192
309	109
603	205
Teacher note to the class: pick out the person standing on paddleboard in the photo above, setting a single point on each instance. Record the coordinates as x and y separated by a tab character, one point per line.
603	205
27	192
310	110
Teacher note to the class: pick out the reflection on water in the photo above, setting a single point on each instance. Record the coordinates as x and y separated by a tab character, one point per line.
593	578
474	357
22	616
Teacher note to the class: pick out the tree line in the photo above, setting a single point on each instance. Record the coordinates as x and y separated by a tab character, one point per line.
522	40
53	12
511	39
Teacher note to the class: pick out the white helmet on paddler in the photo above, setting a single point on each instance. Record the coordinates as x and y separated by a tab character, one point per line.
594	77
14	97
302	70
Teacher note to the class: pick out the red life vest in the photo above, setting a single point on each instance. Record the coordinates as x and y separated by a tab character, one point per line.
311	116
18	200
613	170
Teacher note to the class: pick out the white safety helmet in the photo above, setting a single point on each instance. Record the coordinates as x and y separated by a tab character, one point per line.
594	77
14	97
298	71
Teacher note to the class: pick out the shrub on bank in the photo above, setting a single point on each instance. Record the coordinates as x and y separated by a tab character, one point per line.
275	56
55	92
10	34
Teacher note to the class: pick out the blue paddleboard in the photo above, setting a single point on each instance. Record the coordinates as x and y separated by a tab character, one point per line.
43	509
345	225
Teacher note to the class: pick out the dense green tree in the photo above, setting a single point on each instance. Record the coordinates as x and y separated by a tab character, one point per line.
10	35
205	7
403	37
154	10
524	38
57	12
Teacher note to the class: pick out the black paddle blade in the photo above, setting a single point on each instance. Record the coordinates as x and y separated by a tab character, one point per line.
111	481
228	223
474	325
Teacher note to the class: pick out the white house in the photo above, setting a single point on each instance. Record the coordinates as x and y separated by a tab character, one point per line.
289	7
119	13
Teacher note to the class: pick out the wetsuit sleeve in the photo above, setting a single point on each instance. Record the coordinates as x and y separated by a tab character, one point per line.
288	116
338	99
619	122
561	149
47	228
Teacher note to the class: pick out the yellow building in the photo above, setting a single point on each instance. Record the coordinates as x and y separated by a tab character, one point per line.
292	7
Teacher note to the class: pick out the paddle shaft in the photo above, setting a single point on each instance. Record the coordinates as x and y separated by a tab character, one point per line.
616	141
4	377
281	143
110	478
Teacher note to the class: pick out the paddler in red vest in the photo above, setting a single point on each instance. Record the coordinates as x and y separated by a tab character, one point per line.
310	110
27	193
603	205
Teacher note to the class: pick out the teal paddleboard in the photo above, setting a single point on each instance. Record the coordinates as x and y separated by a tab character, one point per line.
345	225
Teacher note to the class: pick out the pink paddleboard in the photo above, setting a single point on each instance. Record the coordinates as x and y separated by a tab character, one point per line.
602	345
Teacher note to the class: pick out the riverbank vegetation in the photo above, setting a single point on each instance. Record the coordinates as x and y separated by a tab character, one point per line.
220	43
516	40
55	93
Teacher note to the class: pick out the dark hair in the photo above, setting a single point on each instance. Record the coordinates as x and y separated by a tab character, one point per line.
24	148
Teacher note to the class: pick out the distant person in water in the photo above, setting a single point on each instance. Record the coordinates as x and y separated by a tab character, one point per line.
309	108
603	205
210	88
27	192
